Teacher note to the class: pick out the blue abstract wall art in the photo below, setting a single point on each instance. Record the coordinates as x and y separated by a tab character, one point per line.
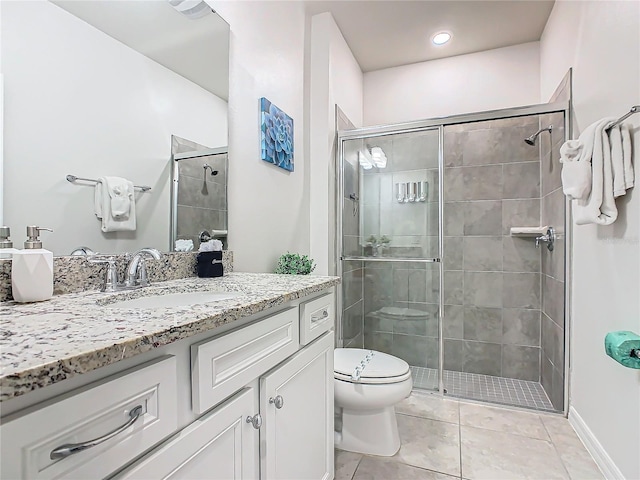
276	135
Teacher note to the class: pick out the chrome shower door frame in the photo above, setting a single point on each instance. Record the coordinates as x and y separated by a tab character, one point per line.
439	123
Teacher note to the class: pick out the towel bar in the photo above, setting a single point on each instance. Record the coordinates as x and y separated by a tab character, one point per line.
634	109
73	179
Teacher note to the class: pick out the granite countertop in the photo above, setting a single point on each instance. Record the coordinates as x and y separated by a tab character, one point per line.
47	342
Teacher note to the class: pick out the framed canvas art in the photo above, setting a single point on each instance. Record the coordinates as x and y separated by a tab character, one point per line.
276	135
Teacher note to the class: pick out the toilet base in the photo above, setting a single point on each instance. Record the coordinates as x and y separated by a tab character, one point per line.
372	432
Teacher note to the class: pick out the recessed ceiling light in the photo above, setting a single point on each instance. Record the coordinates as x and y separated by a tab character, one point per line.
441	38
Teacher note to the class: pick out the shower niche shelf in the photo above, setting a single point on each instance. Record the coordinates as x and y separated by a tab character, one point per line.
528	231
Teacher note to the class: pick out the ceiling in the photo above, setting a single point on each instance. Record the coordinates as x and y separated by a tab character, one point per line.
383	34
196	49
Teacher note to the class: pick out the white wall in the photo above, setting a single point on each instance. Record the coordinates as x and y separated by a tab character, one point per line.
601	41
268	207
79	102
335	78
500	78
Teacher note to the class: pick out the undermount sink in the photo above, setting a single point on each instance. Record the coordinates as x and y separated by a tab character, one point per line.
174	300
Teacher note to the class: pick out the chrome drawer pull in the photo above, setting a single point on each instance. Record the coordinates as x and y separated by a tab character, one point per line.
278	401
317	318
71	448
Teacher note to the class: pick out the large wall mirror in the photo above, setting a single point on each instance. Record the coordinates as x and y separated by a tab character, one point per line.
99	88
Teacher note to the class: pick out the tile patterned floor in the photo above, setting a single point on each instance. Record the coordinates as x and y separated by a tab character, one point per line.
445	439
473	386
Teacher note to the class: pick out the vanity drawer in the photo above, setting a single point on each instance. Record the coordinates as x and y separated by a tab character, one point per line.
222	366
316	318
94	412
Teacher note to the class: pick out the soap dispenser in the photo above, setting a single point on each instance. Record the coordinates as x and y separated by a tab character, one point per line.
32	269
6	245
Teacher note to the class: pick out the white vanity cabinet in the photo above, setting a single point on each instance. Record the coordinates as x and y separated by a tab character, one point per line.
296	402
260	406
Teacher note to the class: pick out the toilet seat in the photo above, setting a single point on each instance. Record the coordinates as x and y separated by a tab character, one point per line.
381	368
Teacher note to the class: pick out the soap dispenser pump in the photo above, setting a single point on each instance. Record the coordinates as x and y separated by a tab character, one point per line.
6	245
32	269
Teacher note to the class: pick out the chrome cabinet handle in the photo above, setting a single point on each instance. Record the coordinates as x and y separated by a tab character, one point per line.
256	421
71	448
278	401
317	318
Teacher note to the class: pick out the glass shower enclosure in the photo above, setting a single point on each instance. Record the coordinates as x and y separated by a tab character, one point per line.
431	271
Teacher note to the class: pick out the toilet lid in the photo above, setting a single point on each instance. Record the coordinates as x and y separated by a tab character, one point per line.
381	366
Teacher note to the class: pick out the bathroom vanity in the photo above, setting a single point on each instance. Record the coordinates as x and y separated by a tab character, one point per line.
238	388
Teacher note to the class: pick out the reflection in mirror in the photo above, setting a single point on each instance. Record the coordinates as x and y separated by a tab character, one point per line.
96	89
199	194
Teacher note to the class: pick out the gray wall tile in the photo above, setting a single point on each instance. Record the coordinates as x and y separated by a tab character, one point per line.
483	324
453	294
553	210
521	290
453	355
453	147
546	375
381	342
453	321
521	362
553	262
352	287
482	357
520	255
411	348
453	253
553	299
521	180
483	289
557	397
482	217
521	327
352	321
483	254
454	218
520	213
482	182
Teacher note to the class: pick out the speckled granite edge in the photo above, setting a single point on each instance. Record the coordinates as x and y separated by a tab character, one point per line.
47	342
76	274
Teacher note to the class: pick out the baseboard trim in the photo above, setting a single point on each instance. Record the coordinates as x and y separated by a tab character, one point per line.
609	469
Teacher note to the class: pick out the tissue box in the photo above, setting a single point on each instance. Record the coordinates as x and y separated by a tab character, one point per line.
209	264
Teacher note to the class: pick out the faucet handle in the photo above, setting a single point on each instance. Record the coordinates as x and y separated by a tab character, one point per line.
111	281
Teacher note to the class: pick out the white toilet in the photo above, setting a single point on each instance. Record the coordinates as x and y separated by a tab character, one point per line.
367	386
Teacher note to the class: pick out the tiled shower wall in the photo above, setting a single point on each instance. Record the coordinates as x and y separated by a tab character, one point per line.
492	280
401	298
552	269
202	197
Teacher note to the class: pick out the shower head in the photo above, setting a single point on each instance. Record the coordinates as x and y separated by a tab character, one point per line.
532	139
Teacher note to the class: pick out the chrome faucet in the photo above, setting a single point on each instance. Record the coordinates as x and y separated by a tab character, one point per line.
136	274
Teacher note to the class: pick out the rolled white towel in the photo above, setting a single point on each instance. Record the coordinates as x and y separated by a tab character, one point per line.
211	246
184	245
627	153
576	170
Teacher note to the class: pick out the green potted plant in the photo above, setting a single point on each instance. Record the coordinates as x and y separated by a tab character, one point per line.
295	264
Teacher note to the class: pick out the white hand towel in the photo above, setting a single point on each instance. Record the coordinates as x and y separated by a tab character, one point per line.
97	198
121	195
114	200
576	170
617	161
599	207
184	245
627	160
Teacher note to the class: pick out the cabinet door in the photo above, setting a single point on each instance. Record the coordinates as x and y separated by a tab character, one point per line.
218	446
297	438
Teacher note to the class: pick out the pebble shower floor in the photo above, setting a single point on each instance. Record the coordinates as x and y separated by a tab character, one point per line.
474	386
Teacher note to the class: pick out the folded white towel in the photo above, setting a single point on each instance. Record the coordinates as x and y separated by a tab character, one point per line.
576	170
627	153
600	206
211	246
115	204
617	161
184	245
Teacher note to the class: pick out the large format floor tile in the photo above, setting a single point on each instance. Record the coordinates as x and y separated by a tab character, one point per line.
433	407
494	455
378	468
346	464
502	420
429	444
574	455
